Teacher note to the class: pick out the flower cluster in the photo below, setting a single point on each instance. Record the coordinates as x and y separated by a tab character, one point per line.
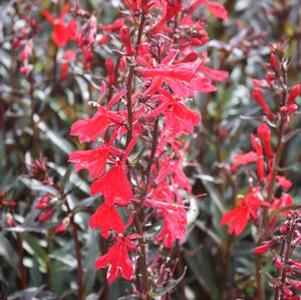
286	284
139	127
265	155
269	198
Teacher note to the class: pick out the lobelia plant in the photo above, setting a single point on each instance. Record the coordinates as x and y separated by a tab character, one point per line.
267	198
138	133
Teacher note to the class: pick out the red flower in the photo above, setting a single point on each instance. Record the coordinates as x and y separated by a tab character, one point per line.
114	185
217	10
183	78
43	201
179	118
117	259
126	39
115	26
214	8
107	218
174	224
259	98
260	162
295	92
244	159
110	70
170	10
89	130
264	247
284	183
237	218
264	133
286	200
63	32
93	160
62	226
46	215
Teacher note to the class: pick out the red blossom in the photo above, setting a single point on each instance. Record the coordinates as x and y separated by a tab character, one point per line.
294	93
217	10
110	70
63	32
107	218
284	182
174	224
264	247
117	259
126	39
93	160
114	185
89	130
260	161
247	208
43	201
259	98
244	159
62	226
115	26
264	133
46	215
170	9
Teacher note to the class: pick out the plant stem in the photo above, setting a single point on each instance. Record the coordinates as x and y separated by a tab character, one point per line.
79	274
143	284
48	269
22	270
80	294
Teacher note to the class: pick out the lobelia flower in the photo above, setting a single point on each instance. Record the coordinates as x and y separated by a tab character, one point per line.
114	186
291	106
247	208
43	201
63	32
174	224
260	100
107	218
89	130
60	228
169	9
264	134
174	214
93	160
117	259
183	78
264	247
260	161
113	27
243	159
110	70
46	215
284	182
126	40
172	168
179	118
216	9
